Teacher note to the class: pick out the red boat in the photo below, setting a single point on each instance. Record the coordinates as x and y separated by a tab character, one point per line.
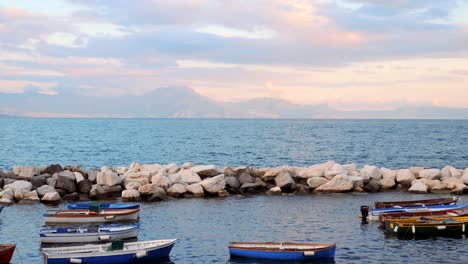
441	213
6	252
426	202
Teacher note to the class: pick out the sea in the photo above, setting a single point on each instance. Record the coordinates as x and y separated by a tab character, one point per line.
204	227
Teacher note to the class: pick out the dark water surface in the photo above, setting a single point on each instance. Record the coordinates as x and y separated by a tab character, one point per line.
98	142
204	228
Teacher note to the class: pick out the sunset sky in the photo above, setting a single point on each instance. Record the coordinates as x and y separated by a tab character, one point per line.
350	54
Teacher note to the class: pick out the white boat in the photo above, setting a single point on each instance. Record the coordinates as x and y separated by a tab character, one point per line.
111	253
88	234
89	216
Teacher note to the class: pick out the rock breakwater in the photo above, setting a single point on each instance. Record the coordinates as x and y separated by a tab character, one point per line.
156	182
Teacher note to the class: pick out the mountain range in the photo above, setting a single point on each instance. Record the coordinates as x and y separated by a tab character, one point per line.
183	102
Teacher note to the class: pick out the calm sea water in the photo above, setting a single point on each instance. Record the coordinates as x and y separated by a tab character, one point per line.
205	226
98	142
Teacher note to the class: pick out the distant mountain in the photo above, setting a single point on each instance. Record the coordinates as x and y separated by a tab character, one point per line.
182	102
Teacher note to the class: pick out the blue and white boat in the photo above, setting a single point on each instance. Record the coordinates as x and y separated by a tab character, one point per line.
374	213
88	205
282	250
111	253
88	234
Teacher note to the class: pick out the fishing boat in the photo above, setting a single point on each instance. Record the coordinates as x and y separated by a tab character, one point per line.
89	216
426	202
87	206
88	234
6	252
423	227
282	250
440	213
373	214
116	252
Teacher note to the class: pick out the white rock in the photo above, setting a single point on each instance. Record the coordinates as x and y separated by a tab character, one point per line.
464	178
388	174
44	189
405	177
51	197
8	193
142	177
186	165
371	172
121	170
446	171
189	176
134	165
19	185
316	182
177	190
161	179
418	187
341	183
416	169
196	189
79	177
171	168
108	178
26	172
132	186
349	167
149	169
456	173
214	185
150	189
284	180
430	174
387	183
233	182
274	190
317	170
130	194
331	174
67	174
6	200
207	170
429	183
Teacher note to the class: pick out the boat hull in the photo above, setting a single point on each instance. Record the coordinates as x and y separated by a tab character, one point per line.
426	202
374	214
426	229
6	253
257	254
113	257
86	206
89	237
91	218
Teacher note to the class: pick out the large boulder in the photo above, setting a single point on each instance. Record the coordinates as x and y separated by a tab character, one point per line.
149	189
196	190
44	189
317	170
284	180
132	186
245	178
416	170
78	177
185	176
370	172
418	187
447	171
103	191
206	170
373	186
51	169
51	197
177	190
52	181
107	177
388	173
171	168
26	172
214	185
141	177
464	178
341	183
161	179
121	170
149	169
186	165
232	182
316	182
66	183
130	195
85	186
67	174
387	183
38	181
430	174
92	175
405	177
19	185
274	191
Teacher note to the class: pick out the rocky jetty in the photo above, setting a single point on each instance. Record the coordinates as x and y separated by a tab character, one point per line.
156	182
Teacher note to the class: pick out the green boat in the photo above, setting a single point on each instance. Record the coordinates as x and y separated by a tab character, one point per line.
427	228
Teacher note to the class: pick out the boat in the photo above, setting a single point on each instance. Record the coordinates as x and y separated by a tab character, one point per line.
87	206
88	234
282	250
116	252
89	216
6	252
373	214
440	213
429	228
426	202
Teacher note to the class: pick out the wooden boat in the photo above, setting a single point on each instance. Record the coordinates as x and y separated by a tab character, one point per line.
282	250
116	252
89	205
88	234
6	252
426	202
89	216
374	213
441	213
427	228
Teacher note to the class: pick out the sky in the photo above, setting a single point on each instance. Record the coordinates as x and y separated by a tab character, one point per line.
350	54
